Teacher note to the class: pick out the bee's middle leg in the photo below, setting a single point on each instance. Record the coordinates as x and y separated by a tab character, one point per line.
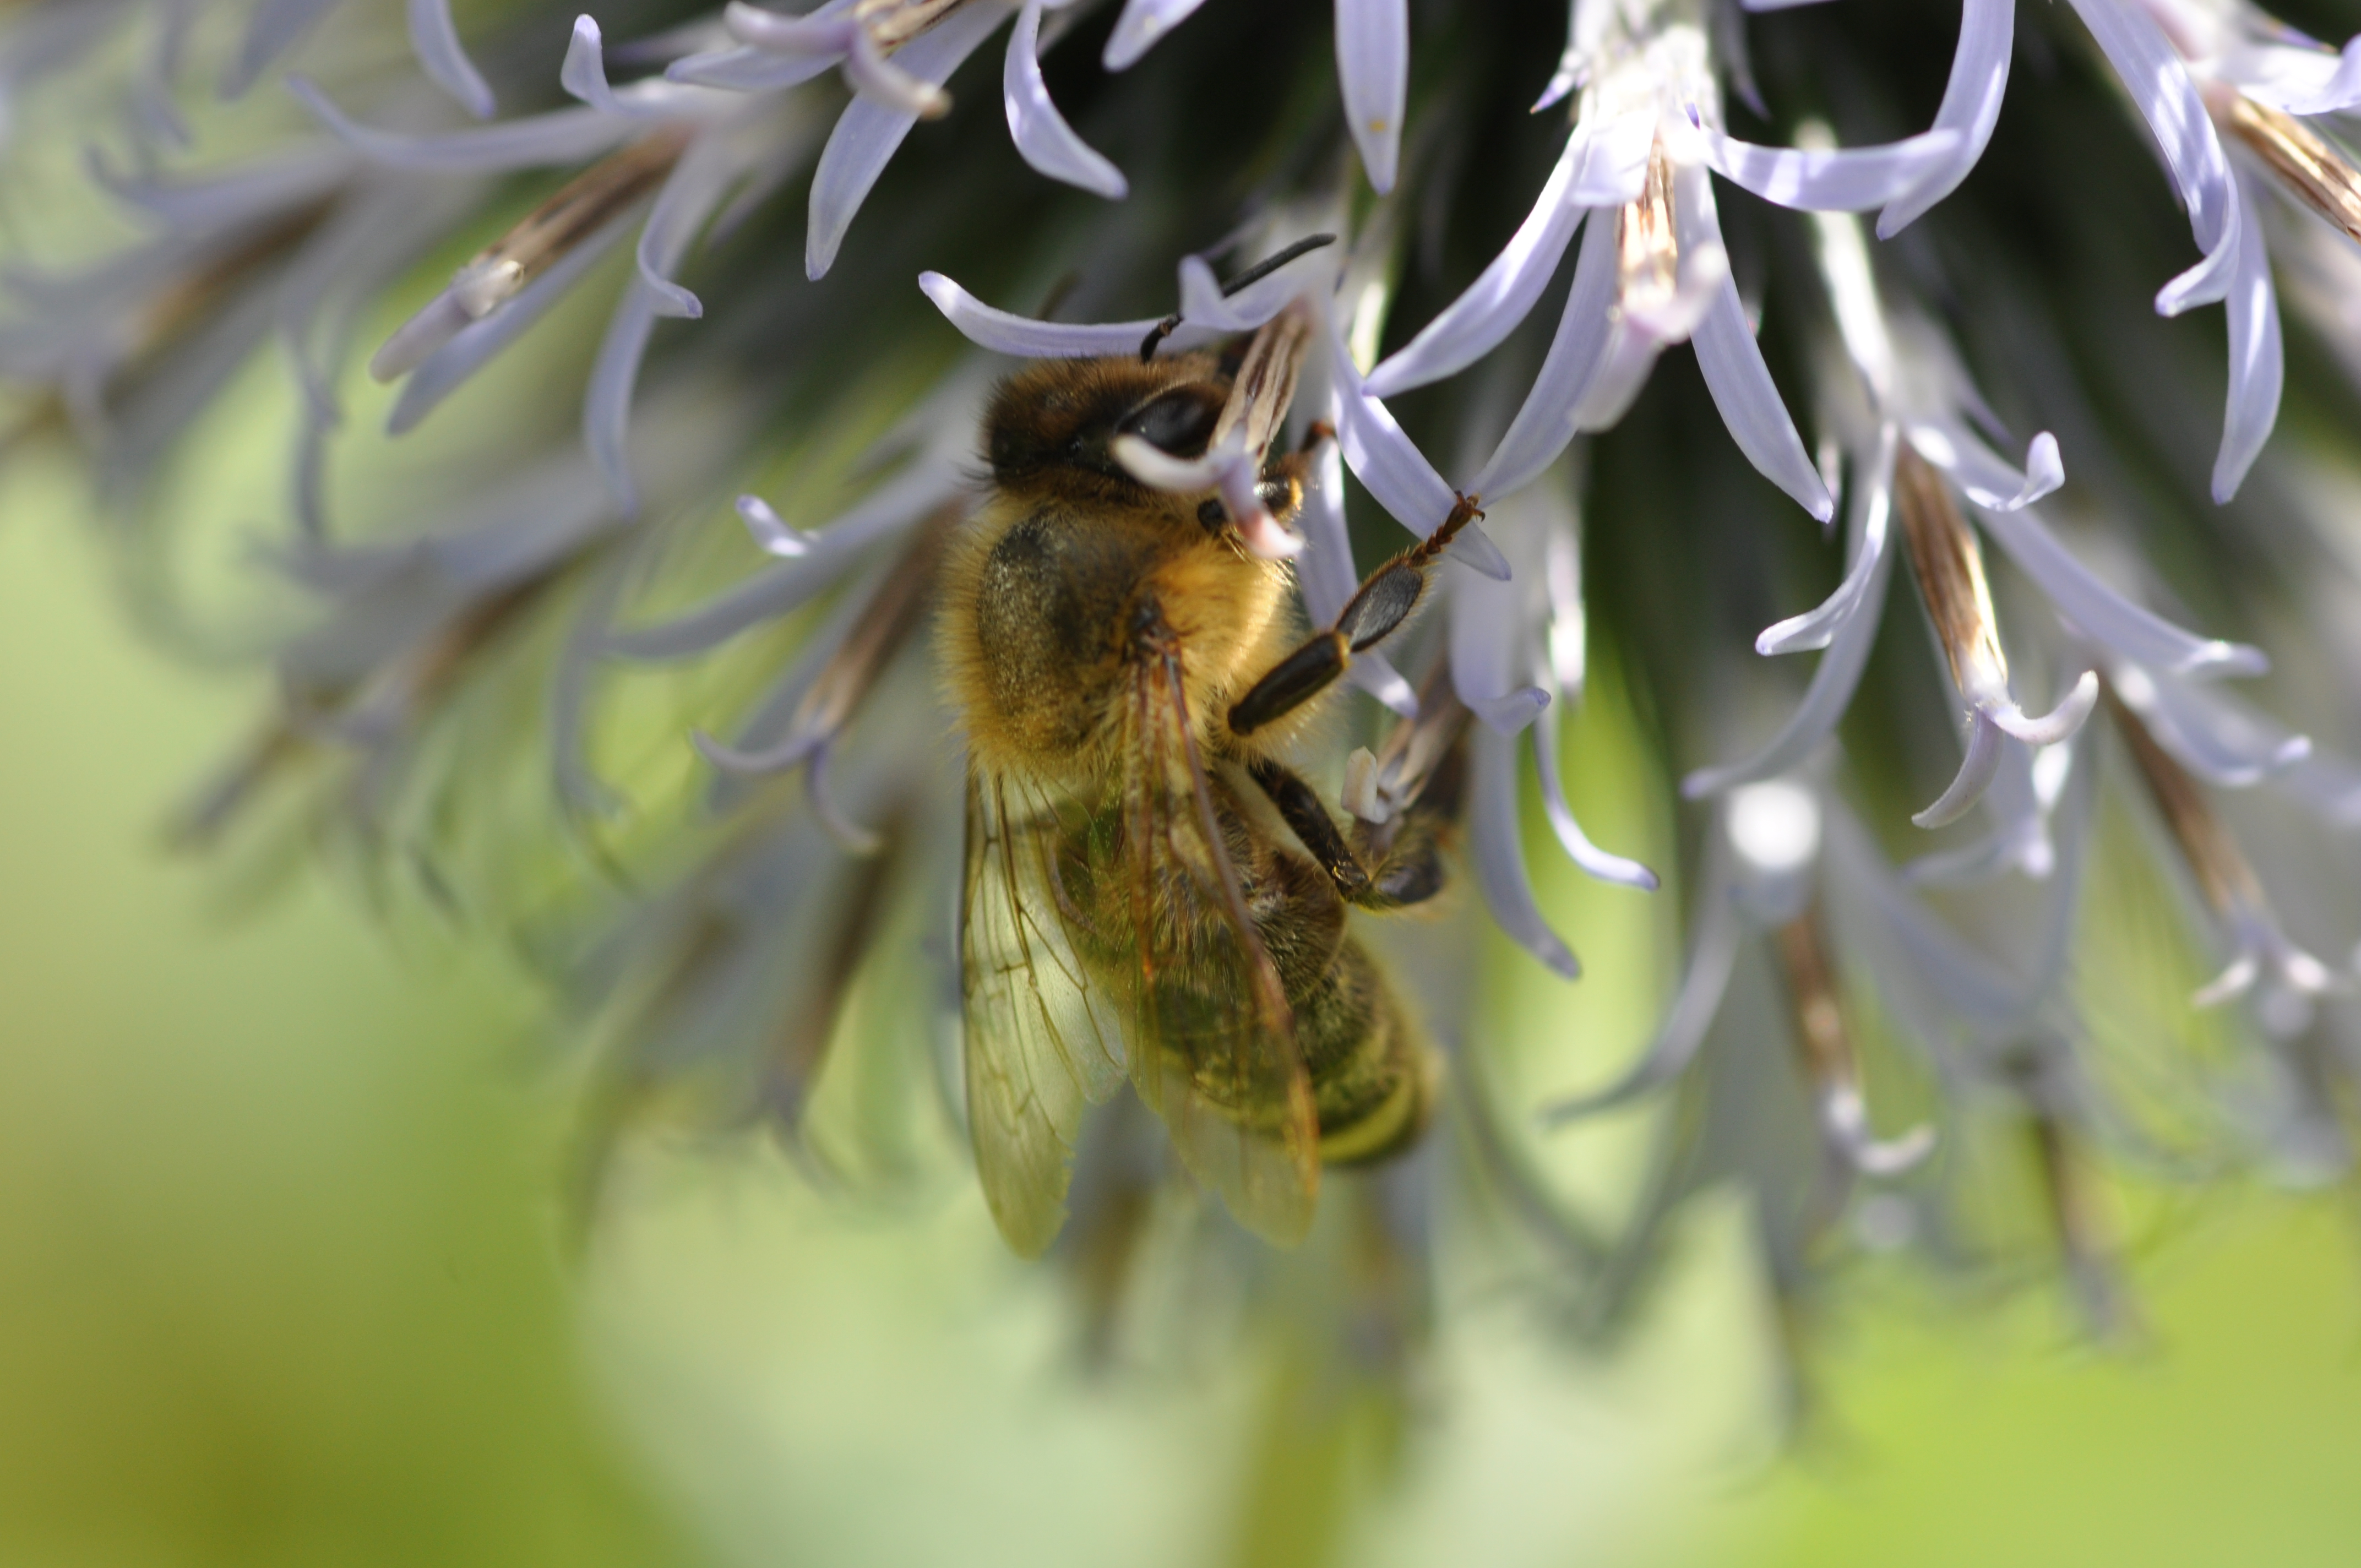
1406	868
1375	612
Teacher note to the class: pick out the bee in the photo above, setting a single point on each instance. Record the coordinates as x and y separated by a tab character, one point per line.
1149	886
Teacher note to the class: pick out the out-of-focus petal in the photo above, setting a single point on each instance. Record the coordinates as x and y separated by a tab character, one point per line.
562	137
2208	731
1373	68
1977	768
1142	23
1497	846
1592	861
2258	367
2300	80
1041	134
437	43
2105	615
271	32
1713	950
449	366
893	508
743	69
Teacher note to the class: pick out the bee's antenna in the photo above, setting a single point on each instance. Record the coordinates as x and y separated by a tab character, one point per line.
1270	264
1255	274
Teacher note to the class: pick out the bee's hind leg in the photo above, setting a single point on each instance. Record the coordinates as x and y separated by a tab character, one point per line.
1382	604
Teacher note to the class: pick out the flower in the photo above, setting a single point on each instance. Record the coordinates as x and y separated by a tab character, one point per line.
602	626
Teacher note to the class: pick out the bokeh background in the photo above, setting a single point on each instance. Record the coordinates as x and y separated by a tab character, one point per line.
284	1279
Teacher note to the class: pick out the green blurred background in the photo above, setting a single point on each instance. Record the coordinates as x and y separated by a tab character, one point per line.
281	1281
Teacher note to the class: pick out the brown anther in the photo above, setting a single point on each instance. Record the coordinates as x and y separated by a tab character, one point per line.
2306	166
2078	1215
1827	1050
1265	384
1949	566
2206	846
584	205
1648	249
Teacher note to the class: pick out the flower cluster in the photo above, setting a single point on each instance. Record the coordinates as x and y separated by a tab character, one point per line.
524	660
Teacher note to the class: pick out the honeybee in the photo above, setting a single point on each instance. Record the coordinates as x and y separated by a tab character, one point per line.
1147	884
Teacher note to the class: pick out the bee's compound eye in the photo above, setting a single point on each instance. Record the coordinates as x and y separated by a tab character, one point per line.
1180	421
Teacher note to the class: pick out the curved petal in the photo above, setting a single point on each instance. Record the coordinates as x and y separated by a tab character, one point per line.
868	133
2302	80
1851	638
2105	615
437	43
1592	861
1971	100
2215	736
584	76
1474	323
1823	180
1977	769
1713	951
2258	367
1735	374
1980	472
688	198
1004	333
1545	421
2145	63
1872	511
1497	846
2058	724
1042	136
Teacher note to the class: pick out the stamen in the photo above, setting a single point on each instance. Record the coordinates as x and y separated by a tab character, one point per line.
1830	1061
2213	858
1647	249
1950	566
2306	166
2078	1216
498	272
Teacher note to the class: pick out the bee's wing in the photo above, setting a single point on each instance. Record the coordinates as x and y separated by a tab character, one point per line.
1212	1047
1038	1030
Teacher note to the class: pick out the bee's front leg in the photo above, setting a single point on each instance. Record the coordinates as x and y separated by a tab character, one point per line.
1383	601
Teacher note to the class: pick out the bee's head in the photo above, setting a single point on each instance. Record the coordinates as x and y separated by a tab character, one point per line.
1054	421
